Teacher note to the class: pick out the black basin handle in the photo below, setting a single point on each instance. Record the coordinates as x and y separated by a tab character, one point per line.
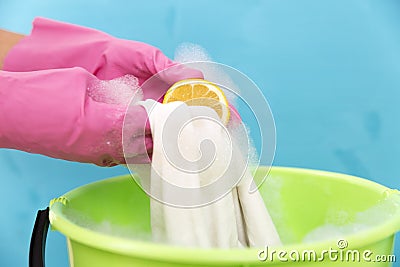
38	239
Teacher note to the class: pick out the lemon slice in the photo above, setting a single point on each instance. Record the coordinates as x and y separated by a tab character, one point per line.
198	92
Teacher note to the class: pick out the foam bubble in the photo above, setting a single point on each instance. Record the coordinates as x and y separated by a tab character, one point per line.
106	226
188	52
241	135
120	91
336	226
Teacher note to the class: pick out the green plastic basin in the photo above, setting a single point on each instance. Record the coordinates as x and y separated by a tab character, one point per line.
299	201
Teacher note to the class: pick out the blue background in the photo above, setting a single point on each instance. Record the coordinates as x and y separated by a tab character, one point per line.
329	69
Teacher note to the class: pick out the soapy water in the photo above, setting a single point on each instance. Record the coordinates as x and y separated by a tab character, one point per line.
338	223
374	216
339	226
107	227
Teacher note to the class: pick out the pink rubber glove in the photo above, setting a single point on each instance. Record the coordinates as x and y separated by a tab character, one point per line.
60	95
53	44
49	112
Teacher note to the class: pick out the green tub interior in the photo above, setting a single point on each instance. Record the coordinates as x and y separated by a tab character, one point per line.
298	200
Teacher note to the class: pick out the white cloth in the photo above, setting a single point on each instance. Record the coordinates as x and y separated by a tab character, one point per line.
237	219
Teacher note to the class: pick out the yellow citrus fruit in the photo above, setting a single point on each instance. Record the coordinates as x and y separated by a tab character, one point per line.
198	92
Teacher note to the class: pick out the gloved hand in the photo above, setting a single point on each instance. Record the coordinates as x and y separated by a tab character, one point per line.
53	44
50	112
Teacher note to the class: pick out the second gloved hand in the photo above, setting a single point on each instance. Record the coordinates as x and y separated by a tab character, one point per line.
52	112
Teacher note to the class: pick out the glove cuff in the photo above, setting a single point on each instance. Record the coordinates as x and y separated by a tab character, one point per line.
53	44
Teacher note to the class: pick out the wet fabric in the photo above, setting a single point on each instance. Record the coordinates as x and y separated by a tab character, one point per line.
237	219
